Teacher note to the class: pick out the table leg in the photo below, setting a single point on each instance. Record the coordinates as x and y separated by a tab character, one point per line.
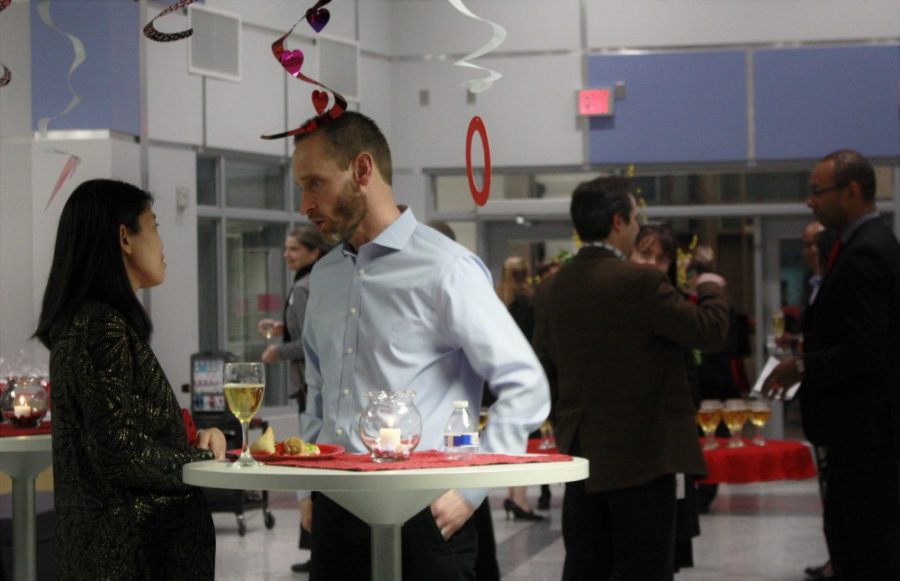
24	530
387	564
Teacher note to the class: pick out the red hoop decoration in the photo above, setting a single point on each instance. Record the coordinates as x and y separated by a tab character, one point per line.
480	196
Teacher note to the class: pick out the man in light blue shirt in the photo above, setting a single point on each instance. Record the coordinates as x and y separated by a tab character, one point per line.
398	306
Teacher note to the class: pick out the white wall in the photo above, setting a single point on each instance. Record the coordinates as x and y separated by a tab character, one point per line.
651	23
173	305
16	321
238	113
175	98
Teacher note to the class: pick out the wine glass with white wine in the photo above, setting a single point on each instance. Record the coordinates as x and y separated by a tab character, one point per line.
708	417
735	415
759	415
245	384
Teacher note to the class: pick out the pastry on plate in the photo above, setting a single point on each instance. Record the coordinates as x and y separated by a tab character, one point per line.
265	444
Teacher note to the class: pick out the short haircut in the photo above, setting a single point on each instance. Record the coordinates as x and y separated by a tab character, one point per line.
851	166
351	134
87	257
595	202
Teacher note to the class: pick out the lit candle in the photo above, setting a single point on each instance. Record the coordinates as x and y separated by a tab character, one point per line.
22	409
389	438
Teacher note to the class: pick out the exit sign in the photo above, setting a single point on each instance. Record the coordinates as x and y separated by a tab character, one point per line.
595	102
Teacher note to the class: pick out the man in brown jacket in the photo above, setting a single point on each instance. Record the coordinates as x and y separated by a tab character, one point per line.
611	335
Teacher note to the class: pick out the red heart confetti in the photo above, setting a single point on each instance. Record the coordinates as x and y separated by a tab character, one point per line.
320	101
292	61
315	16
318	19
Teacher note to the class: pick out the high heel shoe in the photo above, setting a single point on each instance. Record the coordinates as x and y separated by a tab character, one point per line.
543	502
518	512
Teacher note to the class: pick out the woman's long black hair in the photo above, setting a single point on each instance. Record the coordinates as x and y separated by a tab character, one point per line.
87	258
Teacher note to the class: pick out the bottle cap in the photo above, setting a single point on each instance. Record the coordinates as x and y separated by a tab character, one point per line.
460	404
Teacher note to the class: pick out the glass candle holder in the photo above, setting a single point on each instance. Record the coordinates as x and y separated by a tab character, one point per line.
391	426
24	403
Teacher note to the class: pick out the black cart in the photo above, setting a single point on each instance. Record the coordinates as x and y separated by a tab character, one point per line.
210	411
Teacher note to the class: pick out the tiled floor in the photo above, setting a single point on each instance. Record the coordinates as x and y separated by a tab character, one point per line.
755	532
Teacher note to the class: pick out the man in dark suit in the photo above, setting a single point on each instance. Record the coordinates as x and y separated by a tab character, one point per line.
850	372
611	335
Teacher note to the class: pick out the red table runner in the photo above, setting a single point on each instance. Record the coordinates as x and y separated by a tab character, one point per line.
8	430
426	459
777	460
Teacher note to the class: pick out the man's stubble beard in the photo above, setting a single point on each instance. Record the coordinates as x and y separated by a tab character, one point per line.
350	210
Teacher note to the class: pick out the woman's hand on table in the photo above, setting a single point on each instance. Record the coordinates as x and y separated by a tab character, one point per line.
450	512
212	439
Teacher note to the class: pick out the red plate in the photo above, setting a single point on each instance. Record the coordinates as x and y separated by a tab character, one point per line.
325	451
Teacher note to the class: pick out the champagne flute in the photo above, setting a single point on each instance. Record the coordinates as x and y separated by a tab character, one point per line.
708	417
245	384
735	415
267	329
759	415
778	334
778	326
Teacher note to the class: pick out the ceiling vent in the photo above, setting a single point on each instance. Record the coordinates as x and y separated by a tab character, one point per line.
215	46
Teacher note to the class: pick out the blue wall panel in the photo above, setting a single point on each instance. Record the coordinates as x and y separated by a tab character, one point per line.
812	101
107	80
679	107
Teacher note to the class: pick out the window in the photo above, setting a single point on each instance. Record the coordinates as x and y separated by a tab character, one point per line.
246	206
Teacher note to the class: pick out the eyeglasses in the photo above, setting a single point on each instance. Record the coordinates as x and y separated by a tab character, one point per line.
819	193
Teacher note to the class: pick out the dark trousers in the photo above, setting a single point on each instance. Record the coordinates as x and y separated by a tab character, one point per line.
486	566
626	535
862	513
341	547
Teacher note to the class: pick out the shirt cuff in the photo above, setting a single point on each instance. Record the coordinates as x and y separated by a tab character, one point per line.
474	496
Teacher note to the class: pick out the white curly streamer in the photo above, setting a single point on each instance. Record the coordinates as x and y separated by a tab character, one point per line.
479	85
71	165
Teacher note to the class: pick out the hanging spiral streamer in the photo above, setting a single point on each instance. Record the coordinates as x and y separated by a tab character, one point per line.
480	85
43	9
292	62
6	75
153	34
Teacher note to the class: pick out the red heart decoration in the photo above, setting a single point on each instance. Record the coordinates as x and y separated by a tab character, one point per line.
292	60
320	101
318	19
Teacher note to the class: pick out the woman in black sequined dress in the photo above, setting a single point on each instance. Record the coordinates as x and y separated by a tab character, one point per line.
122	511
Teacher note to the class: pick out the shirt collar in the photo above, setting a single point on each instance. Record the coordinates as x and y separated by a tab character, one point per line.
852	228
395	236
597	244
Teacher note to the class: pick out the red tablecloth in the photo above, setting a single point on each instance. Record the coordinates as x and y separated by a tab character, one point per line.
426	459
777	460
11	430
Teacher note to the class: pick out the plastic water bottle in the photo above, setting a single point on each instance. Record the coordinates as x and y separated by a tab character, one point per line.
460	433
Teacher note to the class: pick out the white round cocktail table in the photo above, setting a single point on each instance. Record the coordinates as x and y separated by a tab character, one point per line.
22	458
384	499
